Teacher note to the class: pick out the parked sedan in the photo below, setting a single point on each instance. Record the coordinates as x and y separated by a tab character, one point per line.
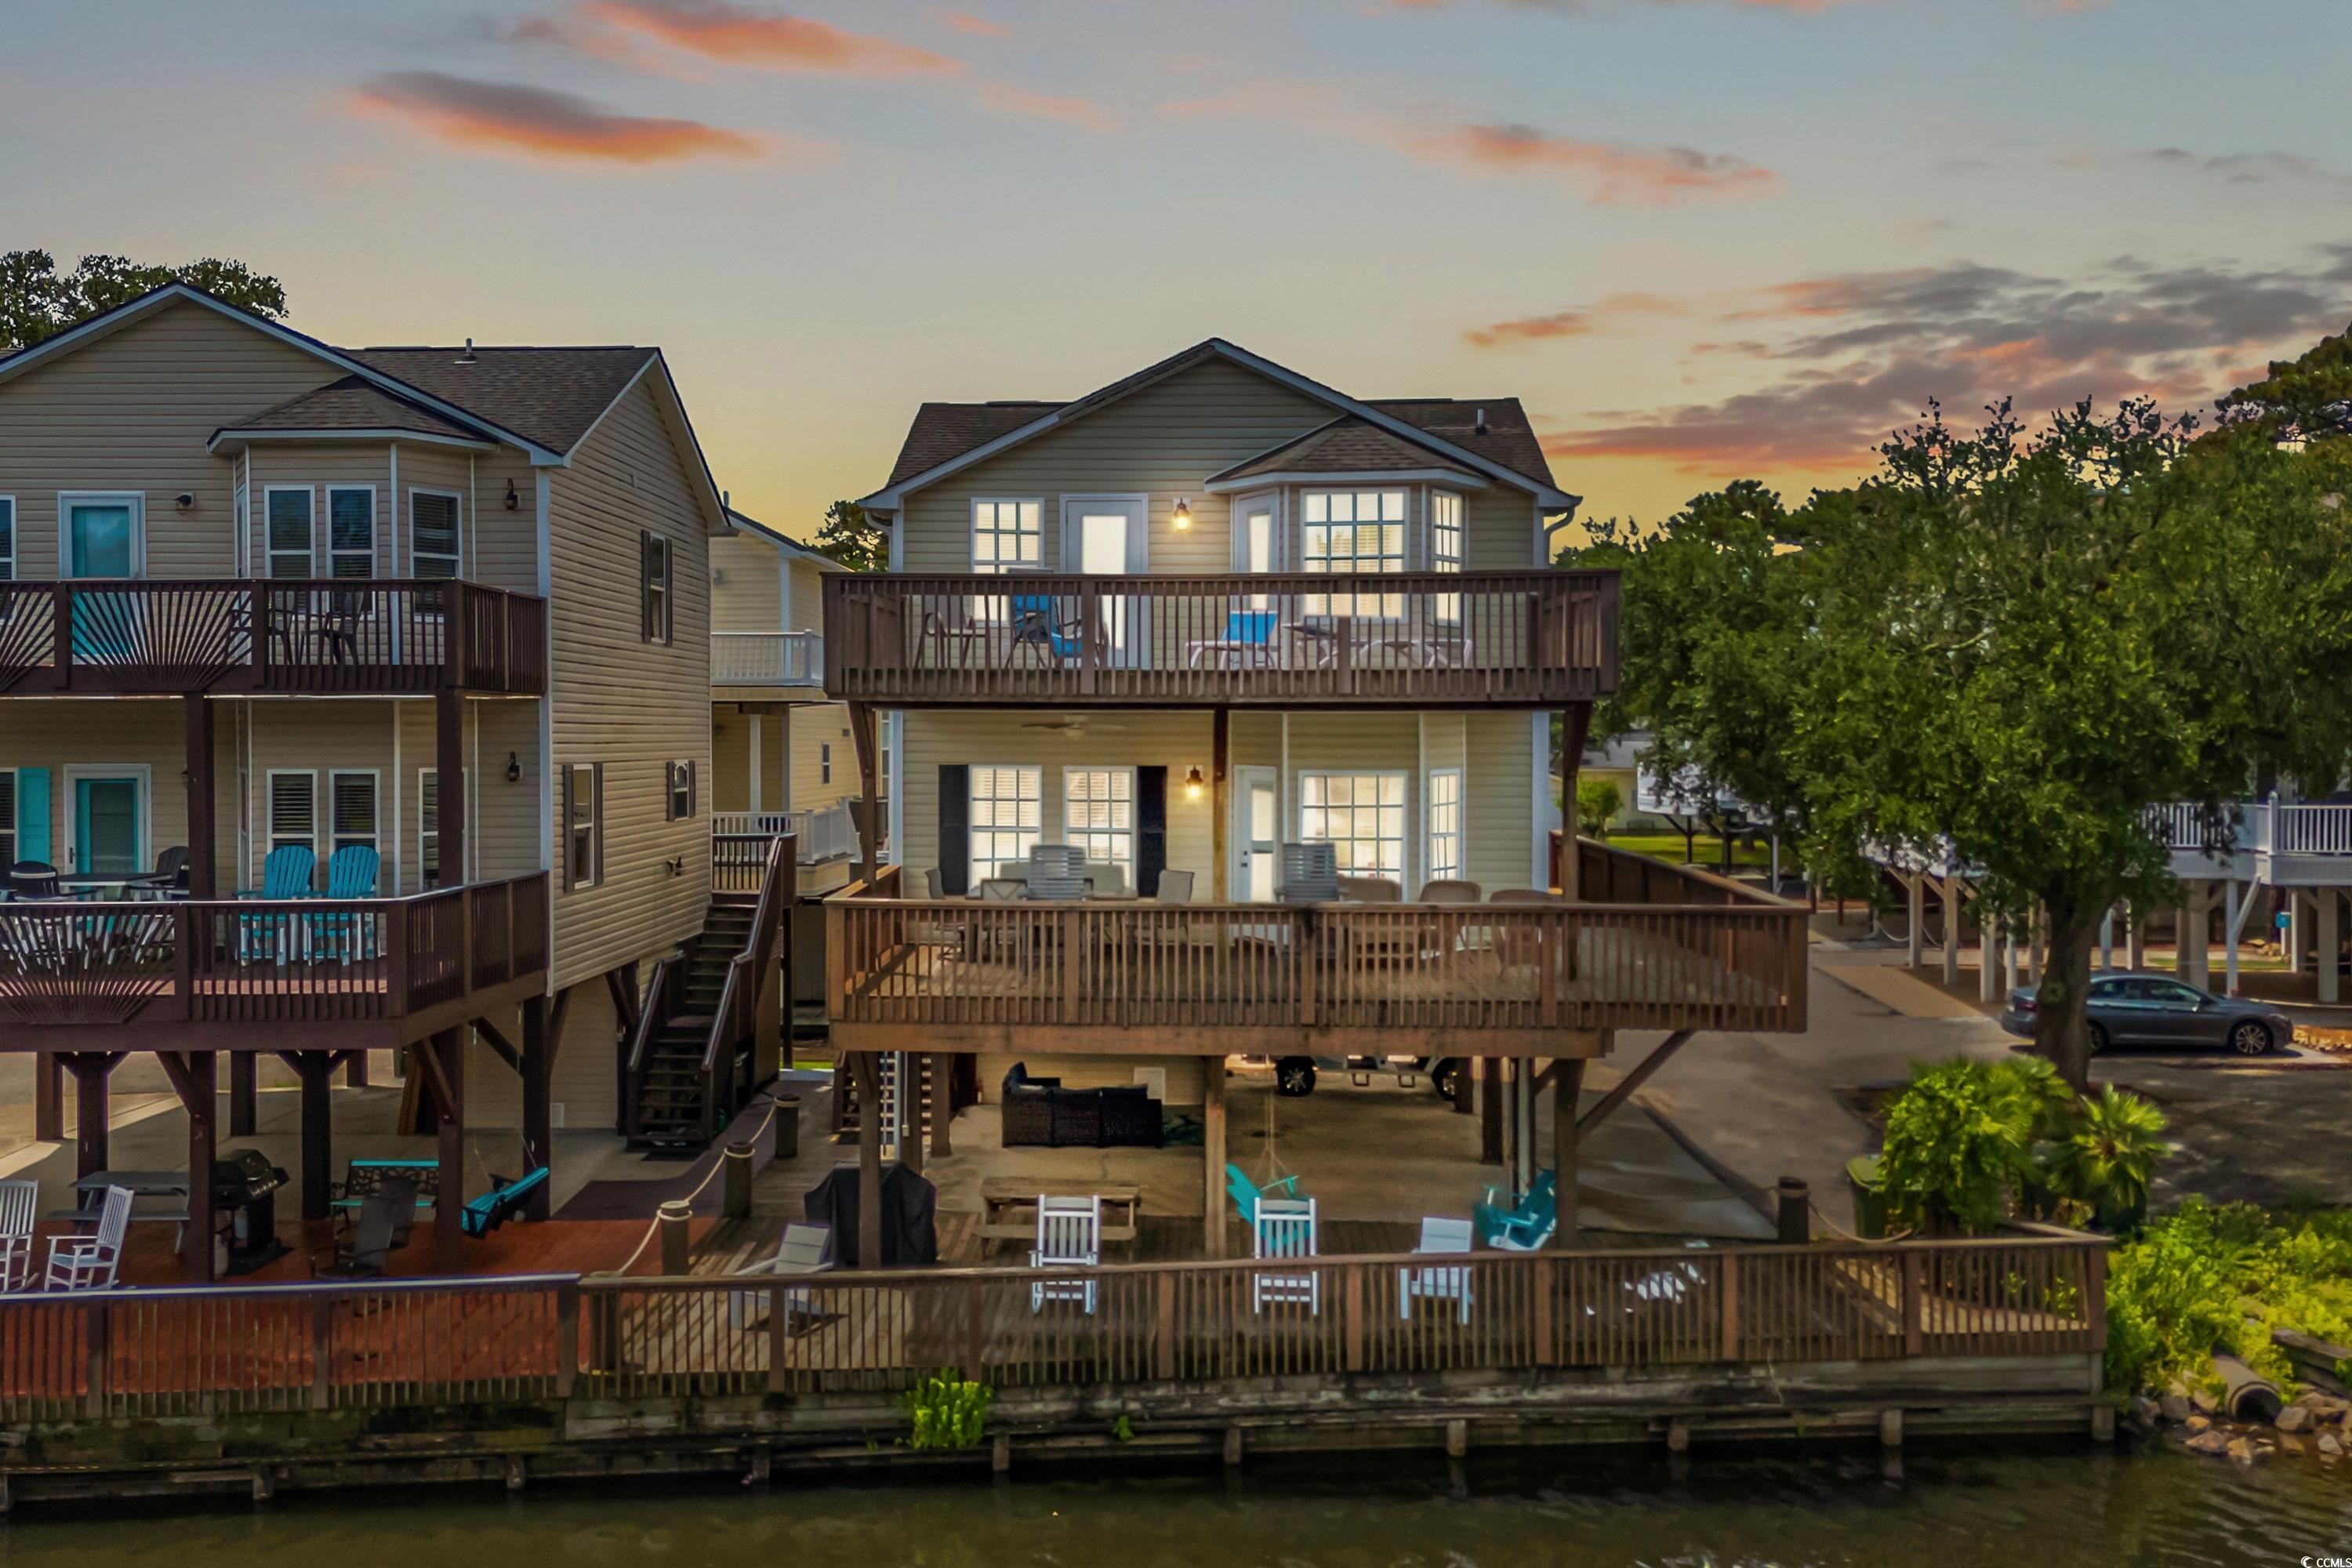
2158	1010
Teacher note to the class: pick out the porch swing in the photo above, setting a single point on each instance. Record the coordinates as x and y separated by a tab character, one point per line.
1274	1179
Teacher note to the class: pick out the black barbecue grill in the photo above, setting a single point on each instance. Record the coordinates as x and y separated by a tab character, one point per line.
244	1189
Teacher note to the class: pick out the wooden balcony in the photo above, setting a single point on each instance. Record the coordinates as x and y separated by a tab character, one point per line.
756	660
341	637
1423	979
255	975
1420	639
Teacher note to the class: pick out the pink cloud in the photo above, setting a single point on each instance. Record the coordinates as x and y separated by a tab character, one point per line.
1009	100
533	122
1610	174
766	39
1569	323
978	26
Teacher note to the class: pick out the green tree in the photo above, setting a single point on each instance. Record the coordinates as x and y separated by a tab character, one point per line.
1596	800
2009	643
852	538
36	302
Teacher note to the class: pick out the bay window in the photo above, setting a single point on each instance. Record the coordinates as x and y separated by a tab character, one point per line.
1352	532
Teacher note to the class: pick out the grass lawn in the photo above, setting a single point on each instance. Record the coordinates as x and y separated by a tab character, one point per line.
1707	851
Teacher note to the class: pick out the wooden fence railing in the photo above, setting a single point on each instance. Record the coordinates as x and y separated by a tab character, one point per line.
732	1051
1327	966
330	636
1501	638
267	961
456	1342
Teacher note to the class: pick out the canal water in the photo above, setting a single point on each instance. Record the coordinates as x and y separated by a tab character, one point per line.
2041	1509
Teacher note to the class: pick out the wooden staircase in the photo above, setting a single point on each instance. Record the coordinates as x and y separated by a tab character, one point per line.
698	1044
848	1112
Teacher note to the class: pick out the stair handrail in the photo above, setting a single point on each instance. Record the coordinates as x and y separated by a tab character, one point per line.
651	1020
739	1001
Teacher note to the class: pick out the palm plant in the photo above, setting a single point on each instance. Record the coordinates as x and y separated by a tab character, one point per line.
2108	1156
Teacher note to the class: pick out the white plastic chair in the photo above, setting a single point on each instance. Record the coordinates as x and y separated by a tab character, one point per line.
1285	1228
1445	1237
88	1262
19	1202
806	1249
1069	1236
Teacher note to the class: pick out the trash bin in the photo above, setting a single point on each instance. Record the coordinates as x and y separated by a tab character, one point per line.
1869	1196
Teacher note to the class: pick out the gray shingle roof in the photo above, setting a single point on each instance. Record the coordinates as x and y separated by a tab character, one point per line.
1508	439
1346	446
945	430
352	404
550	395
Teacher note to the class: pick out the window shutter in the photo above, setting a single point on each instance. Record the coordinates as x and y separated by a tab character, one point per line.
596	807
1150	829
693	787
646	587
955	829
570	838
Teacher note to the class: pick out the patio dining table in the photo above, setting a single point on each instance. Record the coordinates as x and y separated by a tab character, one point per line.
1008	1205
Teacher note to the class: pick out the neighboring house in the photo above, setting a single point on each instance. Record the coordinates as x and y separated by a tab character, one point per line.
1211	610
353	576
781	756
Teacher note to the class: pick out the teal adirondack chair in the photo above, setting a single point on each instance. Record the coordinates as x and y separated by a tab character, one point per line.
1247	1193
352	873
285	875
1524	1225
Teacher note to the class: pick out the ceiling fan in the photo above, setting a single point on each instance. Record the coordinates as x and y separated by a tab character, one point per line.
1074	724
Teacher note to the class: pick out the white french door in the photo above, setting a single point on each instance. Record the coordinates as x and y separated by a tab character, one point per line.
1255	836
1108	536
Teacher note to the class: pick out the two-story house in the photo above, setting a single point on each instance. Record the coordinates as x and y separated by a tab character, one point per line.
1219	627
352	700
780	752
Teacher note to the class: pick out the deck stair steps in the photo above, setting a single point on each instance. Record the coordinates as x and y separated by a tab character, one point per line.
670	1090
848	1109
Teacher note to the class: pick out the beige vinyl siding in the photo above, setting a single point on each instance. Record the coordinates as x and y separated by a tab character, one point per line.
747	585
1500	528
131	411
805	612
75	732
315	465
1161	441
814	727
1500	808
630	705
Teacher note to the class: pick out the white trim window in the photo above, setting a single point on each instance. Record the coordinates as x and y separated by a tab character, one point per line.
1445	551
1099	815
114	543
1442	808
293	809
351	796
7	539
429	826
437	534
290	535
351	530
1354	532
584	823
1363	815
824	762
1008	536
1007	814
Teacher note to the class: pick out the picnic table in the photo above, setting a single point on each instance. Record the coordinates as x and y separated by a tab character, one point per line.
156	1196
1008	1205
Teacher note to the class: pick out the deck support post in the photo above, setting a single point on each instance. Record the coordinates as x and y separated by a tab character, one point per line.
1465	1087
869	828
317	1072
943	1103
90	1070
2331	958
2135	939
443	1060
196	1078
1490	1110
1915	892
48	1099
1949	895
538	1100
449	776
204	846
1212	1156
244	1093
1567	1084
1220	804
1636	1078
868	1070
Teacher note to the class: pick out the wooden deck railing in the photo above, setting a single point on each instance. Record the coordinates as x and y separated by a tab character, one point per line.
746	1002
458	1341
1608	876
766	659
1395	968
1487	638
330	635
254	961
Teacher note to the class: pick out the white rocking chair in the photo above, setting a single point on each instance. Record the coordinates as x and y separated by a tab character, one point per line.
1069	1236
19	1201
806	1249
88	1262
1285	1228
1449	1282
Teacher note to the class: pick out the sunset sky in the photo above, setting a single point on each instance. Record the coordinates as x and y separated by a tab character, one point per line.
1701	239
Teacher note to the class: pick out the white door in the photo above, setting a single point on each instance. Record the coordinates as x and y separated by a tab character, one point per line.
1256	837
1105	536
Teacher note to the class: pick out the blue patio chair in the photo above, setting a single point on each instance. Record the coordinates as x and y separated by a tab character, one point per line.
1247	1193
1034	626
500	1204
284	876
352	873
1524	1225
